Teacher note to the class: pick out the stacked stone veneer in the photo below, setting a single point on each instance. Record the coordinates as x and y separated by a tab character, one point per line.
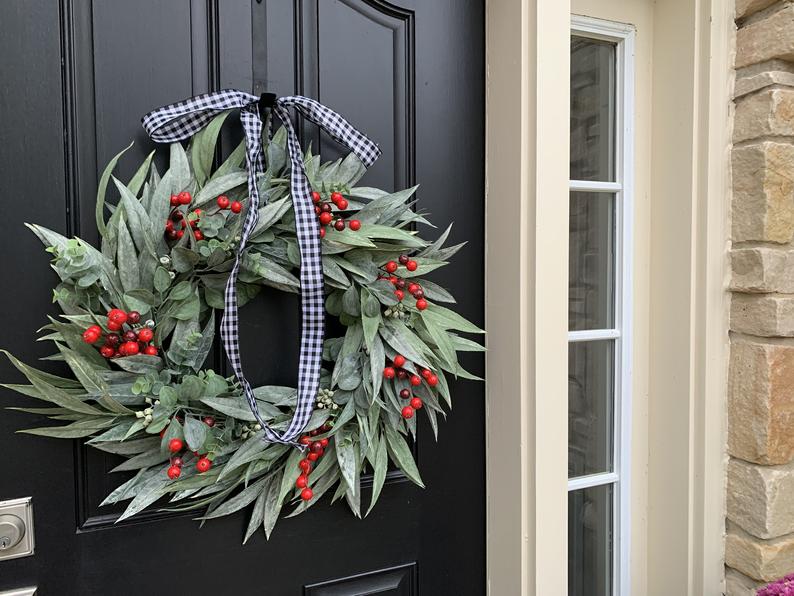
760	491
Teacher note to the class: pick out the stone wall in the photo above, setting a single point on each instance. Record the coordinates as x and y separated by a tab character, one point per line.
759	545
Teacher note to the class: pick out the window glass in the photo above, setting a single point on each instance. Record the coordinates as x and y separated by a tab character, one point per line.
590	407
592	109
591	261
590	541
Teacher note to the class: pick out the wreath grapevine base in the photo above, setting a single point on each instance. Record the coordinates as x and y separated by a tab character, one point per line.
139	320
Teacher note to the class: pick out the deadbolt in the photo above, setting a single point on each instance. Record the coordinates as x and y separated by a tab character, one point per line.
16	529
12	530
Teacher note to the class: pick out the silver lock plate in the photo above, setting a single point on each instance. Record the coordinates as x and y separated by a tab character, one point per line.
16	528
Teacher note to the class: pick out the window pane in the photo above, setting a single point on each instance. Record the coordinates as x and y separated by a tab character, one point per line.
592	109
590	407
591	261
590	541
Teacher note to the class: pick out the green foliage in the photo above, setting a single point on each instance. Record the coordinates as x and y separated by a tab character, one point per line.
134	406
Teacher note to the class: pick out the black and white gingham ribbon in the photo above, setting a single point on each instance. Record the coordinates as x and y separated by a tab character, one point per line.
180	121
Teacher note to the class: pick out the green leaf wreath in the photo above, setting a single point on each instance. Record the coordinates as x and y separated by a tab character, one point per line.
139	319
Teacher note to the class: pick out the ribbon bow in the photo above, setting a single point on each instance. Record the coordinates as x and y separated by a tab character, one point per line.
179	121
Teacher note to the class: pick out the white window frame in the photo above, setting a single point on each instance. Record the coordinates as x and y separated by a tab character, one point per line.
622	35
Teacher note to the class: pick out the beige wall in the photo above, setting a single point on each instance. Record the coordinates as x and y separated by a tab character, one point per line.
681	110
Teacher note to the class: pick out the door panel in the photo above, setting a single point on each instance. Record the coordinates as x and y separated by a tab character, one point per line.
77	78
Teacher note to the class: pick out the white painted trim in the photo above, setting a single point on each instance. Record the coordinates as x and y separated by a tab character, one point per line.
594	186
592	480
593	335
623	36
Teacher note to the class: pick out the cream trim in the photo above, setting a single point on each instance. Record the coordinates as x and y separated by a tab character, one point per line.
683	94
526	294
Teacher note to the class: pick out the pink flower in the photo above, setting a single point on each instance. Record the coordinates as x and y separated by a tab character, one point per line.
781	587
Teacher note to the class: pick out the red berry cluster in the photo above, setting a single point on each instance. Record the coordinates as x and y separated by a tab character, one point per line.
224	203
401	285
177	218
176	445
133	340
414	404
395	369
316	450
323	210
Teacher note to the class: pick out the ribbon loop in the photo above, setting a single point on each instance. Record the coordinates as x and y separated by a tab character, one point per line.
180	121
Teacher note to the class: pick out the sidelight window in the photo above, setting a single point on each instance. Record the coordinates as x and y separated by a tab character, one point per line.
599	320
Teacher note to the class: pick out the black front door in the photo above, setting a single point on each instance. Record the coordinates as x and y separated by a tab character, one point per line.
75	77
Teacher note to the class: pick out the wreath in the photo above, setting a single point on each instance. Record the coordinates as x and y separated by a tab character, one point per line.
139	318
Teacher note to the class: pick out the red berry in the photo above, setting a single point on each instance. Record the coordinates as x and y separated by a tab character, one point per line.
209	421
355	225
169	225
326	208
413	288
411	265
421	304
113	326
175	445
180	233
342	204
305	465
150	351
425	373
305	440
175	461
324	443
203	464
302	481
174	200
322	232
313	457
314	432
325	218
402	374
389	372
408	412
307	494
117	315
145	334
198	235
316	197
130	348
198	212
134	317
339	225
391	266
415	380
317	210
405	393
107	351
223	202
400	283
317	447
399	360
416	403
403	259
400	294
174	472
172	235
91	334
184	198
129	336
432	380
336	197
236	207
393	279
